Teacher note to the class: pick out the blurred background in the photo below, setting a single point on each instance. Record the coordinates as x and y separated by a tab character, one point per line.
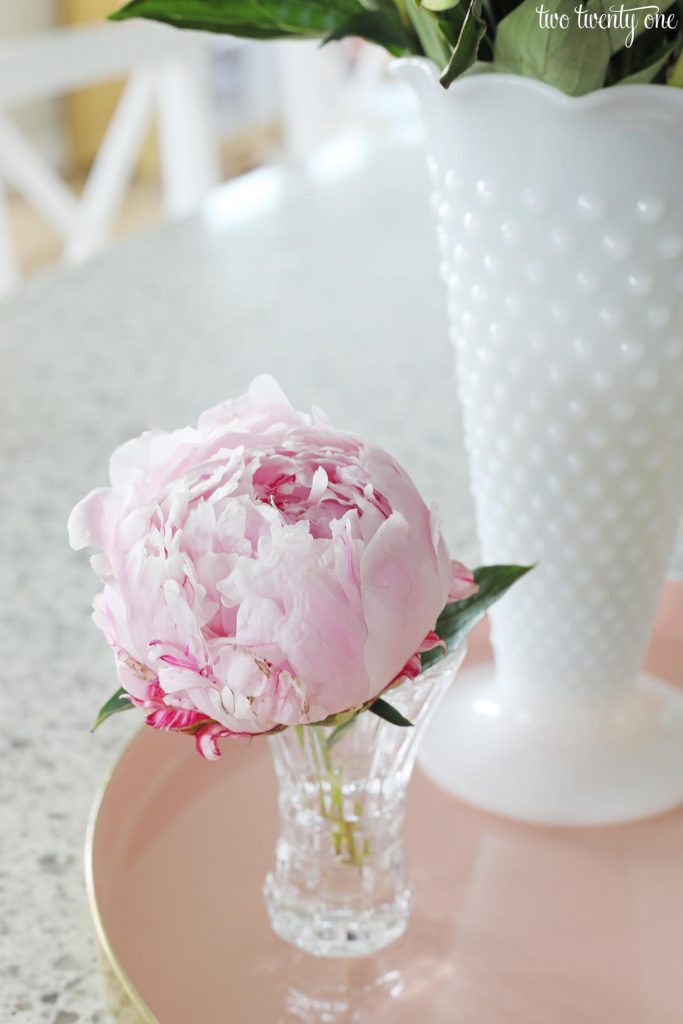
106	129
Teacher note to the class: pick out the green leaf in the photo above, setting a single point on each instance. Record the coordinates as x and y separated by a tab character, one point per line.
428	31
676	77
257	19
572	59
459	617
651	70
466	47
618	37
120	701
382	26
389	713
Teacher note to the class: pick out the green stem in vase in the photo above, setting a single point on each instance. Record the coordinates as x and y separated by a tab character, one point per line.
330	781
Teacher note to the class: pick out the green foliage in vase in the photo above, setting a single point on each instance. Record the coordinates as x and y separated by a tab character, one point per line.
575	45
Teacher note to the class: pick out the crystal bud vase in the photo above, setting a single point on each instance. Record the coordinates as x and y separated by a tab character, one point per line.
560	224
338	887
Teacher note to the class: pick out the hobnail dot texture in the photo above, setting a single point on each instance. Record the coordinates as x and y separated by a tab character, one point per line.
566	311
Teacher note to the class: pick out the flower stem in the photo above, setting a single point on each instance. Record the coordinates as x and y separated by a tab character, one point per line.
331	784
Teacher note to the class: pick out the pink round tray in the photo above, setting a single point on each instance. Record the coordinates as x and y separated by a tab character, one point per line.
512	924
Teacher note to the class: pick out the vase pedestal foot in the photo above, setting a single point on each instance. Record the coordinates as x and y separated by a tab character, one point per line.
598	762
338	932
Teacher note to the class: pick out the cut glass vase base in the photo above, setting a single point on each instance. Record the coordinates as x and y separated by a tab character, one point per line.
342	934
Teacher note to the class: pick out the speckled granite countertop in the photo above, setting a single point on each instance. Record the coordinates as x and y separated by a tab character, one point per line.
328	282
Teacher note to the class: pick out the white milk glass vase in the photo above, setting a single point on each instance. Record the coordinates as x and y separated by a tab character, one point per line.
339	887
560	224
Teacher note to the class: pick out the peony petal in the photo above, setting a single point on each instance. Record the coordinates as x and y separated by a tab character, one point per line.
462	583
402	595
323	637
93	521
261	570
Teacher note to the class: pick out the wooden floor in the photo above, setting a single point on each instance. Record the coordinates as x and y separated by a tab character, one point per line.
39	247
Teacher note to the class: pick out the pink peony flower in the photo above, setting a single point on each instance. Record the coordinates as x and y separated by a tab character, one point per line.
262	569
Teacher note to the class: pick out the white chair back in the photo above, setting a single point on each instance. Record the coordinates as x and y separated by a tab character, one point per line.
167	77
325	90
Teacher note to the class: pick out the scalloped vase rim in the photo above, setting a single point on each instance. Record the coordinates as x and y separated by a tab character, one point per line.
484	79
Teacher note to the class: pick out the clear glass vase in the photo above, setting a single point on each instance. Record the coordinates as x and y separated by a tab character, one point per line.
338	888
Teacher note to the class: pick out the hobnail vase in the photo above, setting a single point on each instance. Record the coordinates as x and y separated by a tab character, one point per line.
560	225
